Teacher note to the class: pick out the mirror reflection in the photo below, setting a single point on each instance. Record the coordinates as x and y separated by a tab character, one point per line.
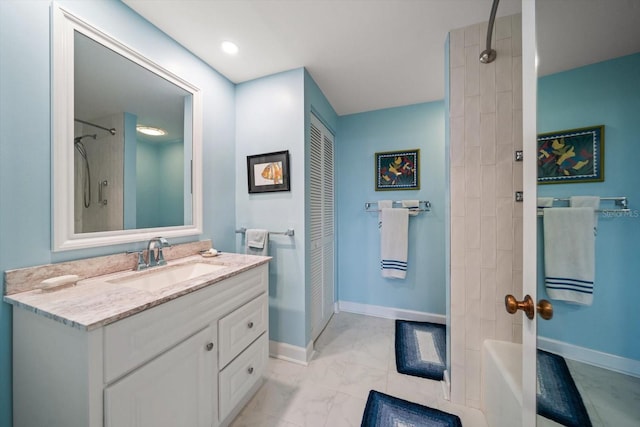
589	63
132	144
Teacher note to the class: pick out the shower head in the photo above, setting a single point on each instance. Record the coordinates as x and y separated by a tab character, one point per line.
78	139
489	55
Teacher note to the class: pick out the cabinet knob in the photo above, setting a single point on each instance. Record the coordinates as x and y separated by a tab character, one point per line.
250	369
250	325
209	346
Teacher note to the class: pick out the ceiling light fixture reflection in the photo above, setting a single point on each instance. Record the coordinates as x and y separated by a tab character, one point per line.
229	47
148	130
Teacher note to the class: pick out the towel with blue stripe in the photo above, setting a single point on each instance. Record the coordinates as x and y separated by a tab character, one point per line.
394	230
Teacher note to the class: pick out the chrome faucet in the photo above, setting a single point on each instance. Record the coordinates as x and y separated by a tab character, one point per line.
154	259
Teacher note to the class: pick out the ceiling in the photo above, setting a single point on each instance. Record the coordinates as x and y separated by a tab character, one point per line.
372	54
364	54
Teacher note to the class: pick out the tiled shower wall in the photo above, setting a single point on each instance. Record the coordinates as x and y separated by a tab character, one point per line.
486	222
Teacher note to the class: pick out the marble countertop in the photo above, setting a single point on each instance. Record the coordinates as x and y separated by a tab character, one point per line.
95	302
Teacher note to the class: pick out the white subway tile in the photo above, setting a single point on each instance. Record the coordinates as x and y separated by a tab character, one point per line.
503	65
472	35
472	361
472	223
504	180
457	141
458	290
472	258
504	216
473	327
488	245
488	190
472	172
504	118
472	290
489	325
458	191
516	78
472	70
488	138
456	92
456	48
517	129
487	77
503	27
516	34
472	121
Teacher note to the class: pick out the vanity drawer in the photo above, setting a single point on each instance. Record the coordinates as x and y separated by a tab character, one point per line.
237	379
241	327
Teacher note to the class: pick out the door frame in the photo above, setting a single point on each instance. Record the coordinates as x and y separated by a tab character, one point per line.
529	213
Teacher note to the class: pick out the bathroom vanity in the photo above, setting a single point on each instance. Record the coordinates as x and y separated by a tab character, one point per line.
114	351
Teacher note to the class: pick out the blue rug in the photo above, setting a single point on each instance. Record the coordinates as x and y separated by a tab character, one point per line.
421	349
558	397
383	410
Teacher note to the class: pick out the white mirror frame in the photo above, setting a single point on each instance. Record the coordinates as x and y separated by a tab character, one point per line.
62	105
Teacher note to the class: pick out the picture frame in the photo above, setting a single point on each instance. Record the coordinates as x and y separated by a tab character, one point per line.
268	172
397	170
574	155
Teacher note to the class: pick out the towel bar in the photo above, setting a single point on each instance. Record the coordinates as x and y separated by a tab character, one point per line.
425	206
288	232
621	203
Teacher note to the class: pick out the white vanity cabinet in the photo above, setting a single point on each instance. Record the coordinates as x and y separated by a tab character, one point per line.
192	361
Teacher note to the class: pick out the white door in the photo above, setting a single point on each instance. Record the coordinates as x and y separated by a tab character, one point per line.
175	389
322	225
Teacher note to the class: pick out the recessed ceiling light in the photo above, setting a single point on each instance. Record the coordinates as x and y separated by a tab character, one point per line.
229	47
148	130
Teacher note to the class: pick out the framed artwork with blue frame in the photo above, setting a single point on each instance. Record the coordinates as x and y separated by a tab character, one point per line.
575	155
397	170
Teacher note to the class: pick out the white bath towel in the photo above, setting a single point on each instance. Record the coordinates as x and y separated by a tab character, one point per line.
256	241
586	202
394	242
569	254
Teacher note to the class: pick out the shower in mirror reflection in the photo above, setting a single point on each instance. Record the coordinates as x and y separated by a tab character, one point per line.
86	179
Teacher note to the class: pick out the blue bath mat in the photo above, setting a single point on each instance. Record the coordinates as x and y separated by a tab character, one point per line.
383	410
421	349
558	397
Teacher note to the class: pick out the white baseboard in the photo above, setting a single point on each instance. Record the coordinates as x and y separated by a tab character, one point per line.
291	353
390	313
592	357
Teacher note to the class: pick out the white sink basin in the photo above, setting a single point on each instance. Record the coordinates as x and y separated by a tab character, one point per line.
153	281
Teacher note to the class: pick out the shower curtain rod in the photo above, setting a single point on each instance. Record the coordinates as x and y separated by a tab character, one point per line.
112	131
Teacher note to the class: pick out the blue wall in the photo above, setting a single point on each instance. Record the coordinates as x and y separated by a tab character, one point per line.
359	137
270	117
605	93
25	139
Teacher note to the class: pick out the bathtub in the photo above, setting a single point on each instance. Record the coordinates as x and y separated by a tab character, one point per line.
502	383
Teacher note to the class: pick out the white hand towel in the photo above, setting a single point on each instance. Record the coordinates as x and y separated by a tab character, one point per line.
569	254
545	202
586	202
412	205
394	239
256	241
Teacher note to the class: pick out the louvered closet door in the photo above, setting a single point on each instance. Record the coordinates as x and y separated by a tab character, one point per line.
322	226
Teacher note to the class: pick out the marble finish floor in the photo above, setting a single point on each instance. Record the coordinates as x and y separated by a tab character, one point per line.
354	354
612	399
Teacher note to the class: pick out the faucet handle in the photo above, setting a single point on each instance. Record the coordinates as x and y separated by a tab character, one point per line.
163	243
141	263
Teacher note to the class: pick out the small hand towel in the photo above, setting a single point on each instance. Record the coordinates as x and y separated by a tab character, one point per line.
586	202
256	241
569	254
545	202
412	205
394	240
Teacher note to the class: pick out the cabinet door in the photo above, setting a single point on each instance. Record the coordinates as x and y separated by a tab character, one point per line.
175	389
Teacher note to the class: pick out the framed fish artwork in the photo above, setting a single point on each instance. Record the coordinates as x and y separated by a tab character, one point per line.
398	170
268	172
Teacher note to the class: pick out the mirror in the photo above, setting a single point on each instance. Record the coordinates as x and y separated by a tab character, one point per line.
114	183
589	64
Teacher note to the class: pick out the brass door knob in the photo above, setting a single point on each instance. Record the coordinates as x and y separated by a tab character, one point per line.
545	309
513	305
